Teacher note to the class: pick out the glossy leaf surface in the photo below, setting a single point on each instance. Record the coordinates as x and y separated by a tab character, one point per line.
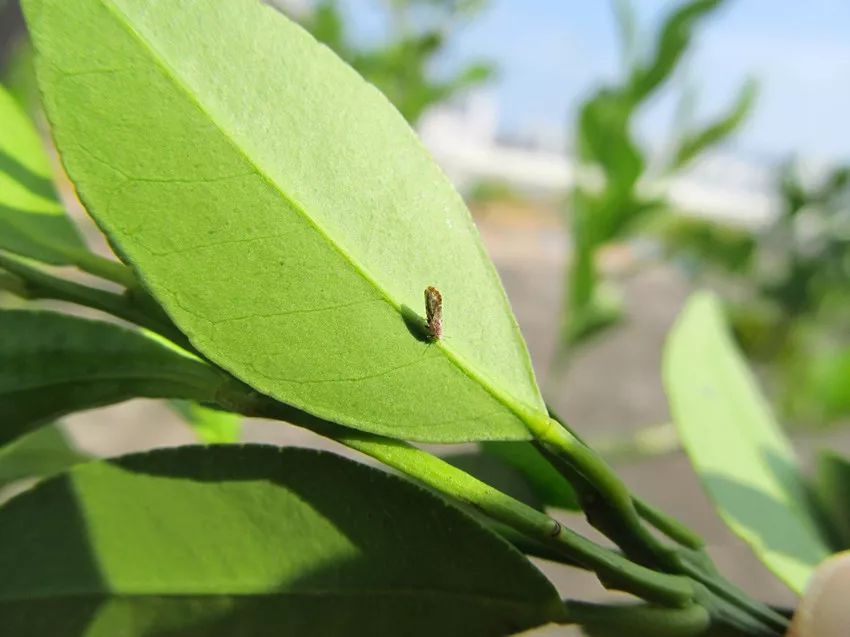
283	213
245	540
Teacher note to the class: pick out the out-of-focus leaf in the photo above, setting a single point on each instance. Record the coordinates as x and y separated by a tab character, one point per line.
38	454
242	168
32	221
741	456
832	486
212	426
697	142
548	484
705	244
53	364
627	29
254	540
673	41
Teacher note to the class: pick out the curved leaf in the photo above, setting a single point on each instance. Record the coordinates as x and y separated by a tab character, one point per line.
283	213
245	540
53	364
698	141
32	221
744	461
673	40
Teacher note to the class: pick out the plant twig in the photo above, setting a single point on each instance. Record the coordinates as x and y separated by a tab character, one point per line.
37	284
613	569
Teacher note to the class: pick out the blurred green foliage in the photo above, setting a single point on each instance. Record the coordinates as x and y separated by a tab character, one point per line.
788	290
402	66
612	195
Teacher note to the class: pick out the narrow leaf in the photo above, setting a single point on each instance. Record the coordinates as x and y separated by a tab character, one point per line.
283	213
212	426
712	134
744	461
53	364
245	540
32	221
38	454
673	40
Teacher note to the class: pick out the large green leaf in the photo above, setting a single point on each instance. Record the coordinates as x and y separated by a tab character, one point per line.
53	364
32	221
283	213
39	453
254	540
741	456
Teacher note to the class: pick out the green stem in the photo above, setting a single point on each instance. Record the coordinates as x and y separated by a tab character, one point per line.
102	267
669	526
672	528
37	284
734	596
614	570
640	619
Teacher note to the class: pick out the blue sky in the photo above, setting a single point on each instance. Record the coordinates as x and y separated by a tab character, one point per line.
551	53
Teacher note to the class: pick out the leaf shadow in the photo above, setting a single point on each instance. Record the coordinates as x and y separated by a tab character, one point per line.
415	324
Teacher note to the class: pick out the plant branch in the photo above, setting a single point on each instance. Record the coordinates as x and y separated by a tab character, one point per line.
102	267
33	283
613	569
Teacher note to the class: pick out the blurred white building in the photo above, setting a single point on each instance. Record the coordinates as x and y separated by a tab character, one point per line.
464	138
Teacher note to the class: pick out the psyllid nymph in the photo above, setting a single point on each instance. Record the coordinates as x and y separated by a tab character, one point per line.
434	313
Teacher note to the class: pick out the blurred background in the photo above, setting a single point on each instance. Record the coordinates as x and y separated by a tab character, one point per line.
616	156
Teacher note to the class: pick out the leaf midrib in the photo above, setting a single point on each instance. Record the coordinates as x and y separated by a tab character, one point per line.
518	408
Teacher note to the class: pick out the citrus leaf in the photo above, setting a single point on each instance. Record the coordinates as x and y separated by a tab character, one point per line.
32	221
245	540
743	459
53	364
283	213
40	453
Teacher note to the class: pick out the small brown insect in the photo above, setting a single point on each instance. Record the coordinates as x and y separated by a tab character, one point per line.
434	313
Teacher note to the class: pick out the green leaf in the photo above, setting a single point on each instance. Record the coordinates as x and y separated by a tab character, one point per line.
40	453
673	40
833	491
744	461
698	141
53	364
546	482
283	214
32	221
212	426
245	540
